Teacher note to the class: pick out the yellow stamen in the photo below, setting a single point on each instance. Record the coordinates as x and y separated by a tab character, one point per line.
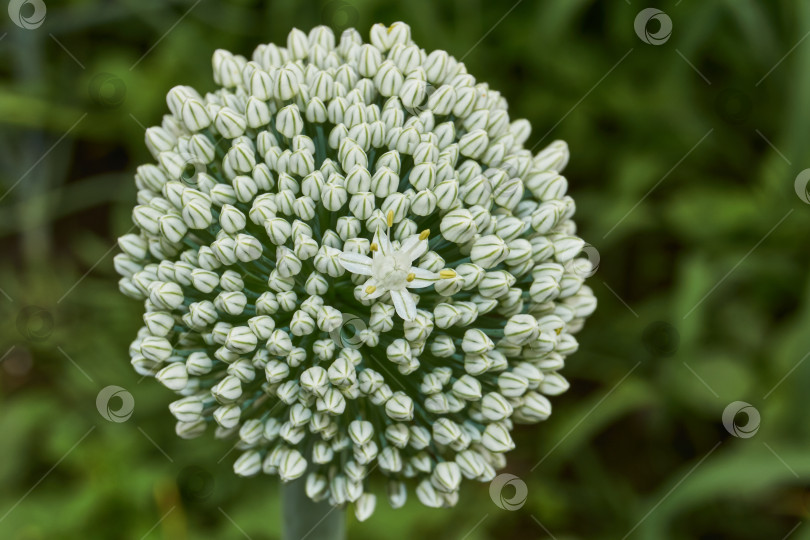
373	246
424	234
447	273
410	277
390	29
370	289
558	330
390	218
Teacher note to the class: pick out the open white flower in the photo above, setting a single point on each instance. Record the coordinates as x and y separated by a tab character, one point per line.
391	270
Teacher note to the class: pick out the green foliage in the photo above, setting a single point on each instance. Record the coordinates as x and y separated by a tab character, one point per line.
685	188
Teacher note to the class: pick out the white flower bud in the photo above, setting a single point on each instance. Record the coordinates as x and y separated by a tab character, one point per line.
342	373
289	122
248	464
316	111
446	476
399	407
188	409
276	371
232	303
197	214
159	140
362	205
231	219
361	432
332	402
358	180
473	143
521	329
322	453
291	433
476	342
495	408
174	376
279	343
133	245
194	115
467	388
553	384
427	495
243	370
496	284
288	392
442	346
190	430
329	319
333	197
147	218
198	363
388	79
292	466
257	113
364	506
369	60
553	157
398	435
567	247
167	296
413	92
496	438
324	349
445	315
399	351
317	486
261	85
424	203
301	324
157	349
488	251
458	226
159	323
278	229
227	390
229	123
534	408
547	216
547	186
241	339
297	44
286	84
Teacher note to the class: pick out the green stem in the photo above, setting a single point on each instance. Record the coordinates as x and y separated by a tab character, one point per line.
306	519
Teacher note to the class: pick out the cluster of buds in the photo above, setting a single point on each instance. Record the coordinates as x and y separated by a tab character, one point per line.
349	262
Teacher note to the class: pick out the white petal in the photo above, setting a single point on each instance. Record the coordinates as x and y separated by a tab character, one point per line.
413	248
424	278
384	243
378	289
404	304
355	263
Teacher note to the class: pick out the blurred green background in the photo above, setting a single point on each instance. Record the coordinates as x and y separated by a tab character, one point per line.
686	162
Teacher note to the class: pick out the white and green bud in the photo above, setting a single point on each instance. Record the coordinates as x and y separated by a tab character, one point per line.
188	409
399	407
174	376
496	438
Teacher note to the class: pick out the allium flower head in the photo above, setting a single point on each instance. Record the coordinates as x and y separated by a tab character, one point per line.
349	262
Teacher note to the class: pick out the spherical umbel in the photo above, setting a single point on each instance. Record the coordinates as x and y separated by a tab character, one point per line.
350	264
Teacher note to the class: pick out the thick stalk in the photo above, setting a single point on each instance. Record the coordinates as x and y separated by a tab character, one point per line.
305	519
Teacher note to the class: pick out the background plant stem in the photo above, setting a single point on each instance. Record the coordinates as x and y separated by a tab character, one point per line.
306	519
